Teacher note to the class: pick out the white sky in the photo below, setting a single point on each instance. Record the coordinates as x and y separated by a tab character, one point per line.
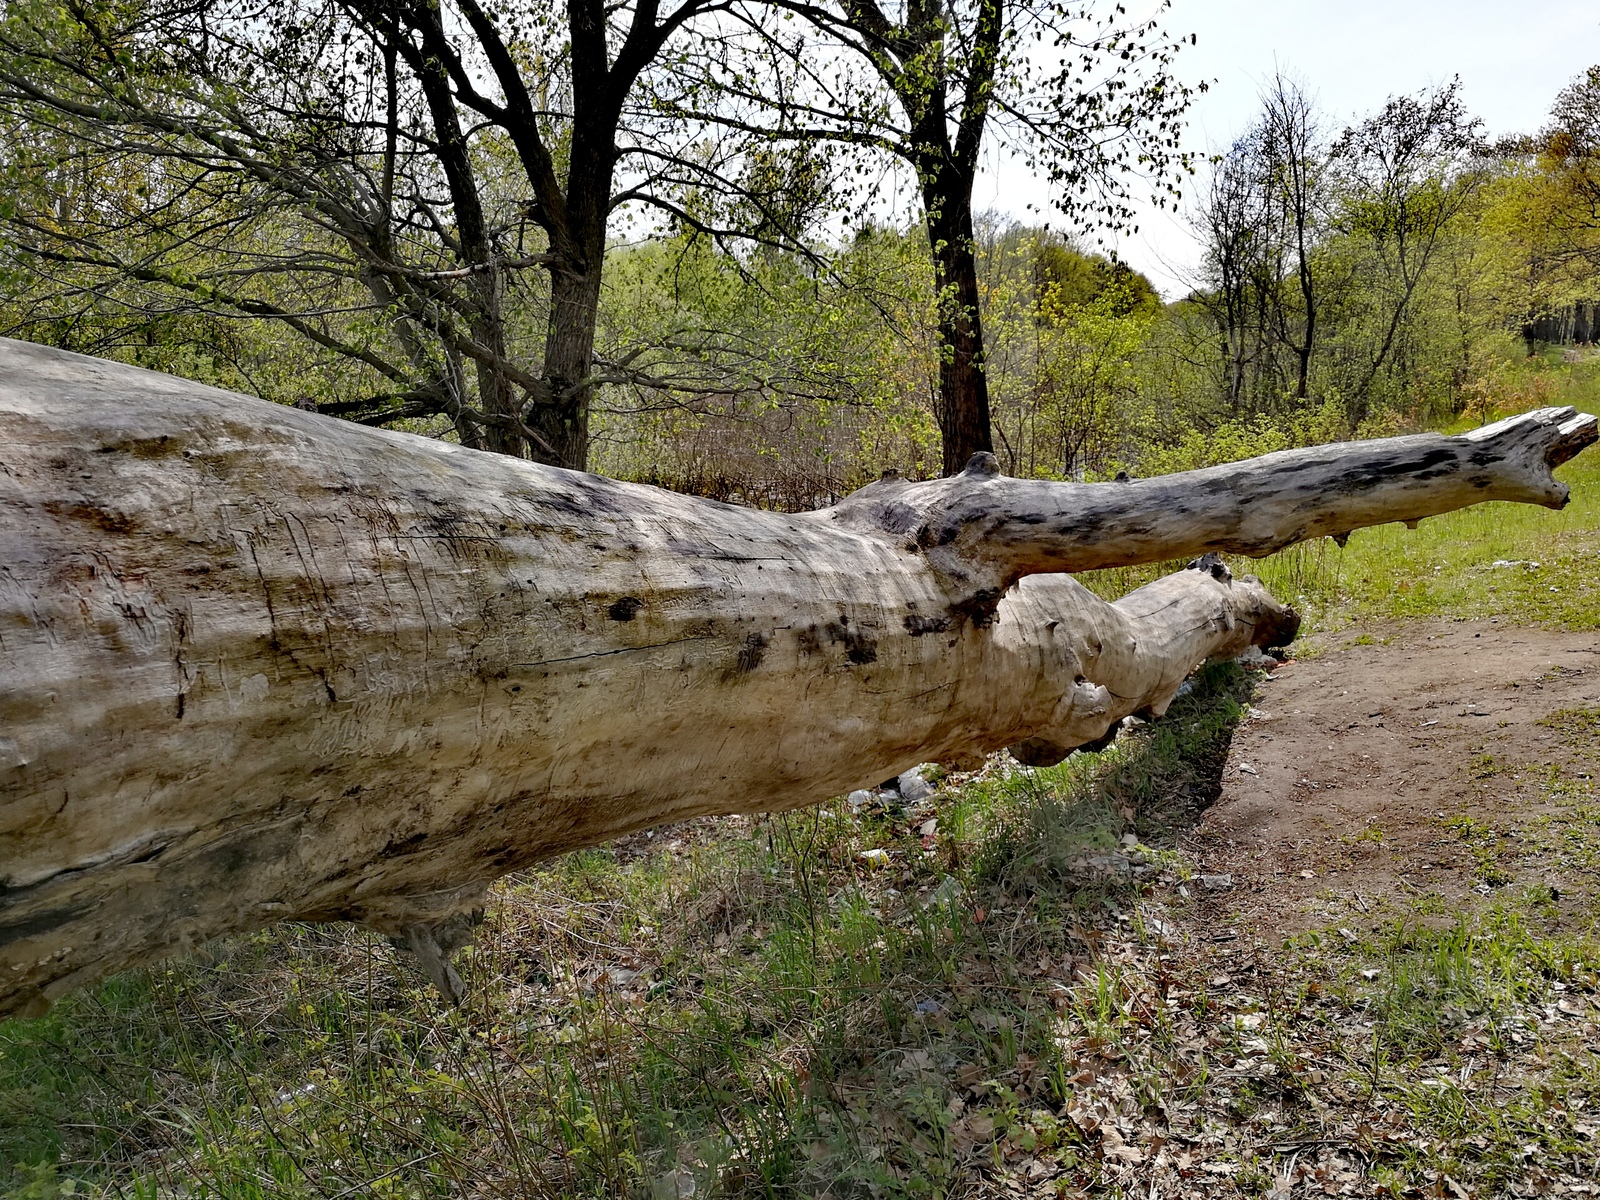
1351	56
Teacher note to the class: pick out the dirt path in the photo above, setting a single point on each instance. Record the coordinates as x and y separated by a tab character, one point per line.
1407	760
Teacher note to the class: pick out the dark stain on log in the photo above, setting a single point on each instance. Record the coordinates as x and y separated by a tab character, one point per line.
979	608
403	847
464	538
249	848
858	647
895	518
755	649
1433	458
111	522
26	927
583	496
625	609
178	663
1090	525
1432	465
148	447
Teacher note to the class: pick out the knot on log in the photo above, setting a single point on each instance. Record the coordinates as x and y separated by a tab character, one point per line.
982	465
1212	565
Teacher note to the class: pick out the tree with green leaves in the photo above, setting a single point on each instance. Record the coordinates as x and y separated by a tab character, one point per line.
1570	144
421	191
1260	220
1403	175
1084	96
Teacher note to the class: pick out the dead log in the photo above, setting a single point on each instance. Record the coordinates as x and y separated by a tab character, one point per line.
257	664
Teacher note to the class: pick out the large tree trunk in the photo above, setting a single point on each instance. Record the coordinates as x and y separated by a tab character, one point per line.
257	664
963	406
561	418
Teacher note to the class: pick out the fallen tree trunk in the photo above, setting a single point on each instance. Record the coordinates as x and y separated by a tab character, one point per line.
257	664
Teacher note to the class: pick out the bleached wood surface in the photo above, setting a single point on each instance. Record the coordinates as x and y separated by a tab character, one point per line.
258	664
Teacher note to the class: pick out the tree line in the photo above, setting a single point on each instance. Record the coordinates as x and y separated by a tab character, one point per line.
1379	266
424	193
730	245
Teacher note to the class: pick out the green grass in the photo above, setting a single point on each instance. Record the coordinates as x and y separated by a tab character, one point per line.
1476	998
748	1008
1444	567
779	1019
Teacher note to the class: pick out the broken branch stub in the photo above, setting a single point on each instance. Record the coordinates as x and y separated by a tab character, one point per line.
257	664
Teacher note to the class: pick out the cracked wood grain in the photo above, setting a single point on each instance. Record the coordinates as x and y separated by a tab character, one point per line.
257	664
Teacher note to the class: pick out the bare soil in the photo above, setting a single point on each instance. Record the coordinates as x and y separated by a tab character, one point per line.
1402	761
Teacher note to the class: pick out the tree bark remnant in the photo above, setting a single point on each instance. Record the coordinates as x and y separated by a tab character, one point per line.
257	664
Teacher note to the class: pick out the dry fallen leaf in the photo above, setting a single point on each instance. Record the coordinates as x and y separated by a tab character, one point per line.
1117	1150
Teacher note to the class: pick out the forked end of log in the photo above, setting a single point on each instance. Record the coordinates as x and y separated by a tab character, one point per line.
1144	646
983	531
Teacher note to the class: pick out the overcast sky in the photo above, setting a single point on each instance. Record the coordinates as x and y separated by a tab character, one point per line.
1352	55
